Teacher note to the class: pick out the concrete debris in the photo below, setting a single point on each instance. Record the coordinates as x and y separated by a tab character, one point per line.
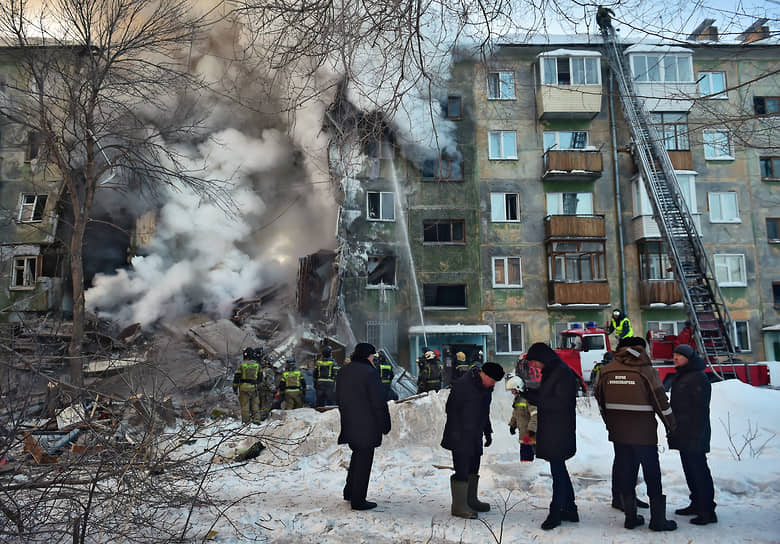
222	339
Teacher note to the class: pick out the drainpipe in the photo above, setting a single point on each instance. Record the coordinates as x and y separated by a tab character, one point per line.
617	195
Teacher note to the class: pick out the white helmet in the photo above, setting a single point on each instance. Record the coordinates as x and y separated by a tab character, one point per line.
515	383
430	355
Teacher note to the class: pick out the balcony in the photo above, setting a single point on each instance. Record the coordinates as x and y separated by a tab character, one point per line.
568	101
645	227
572	164
681	160
577	226
658	292
595	293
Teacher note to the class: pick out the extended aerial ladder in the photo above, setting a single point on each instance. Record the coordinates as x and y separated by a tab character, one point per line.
693	271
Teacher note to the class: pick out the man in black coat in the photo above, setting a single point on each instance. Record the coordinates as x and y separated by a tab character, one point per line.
556	439
468	419
691	392
364	419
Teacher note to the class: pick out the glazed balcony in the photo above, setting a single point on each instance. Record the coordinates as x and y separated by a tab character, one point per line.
658	292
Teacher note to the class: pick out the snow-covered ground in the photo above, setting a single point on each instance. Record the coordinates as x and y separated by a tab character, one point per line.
297	499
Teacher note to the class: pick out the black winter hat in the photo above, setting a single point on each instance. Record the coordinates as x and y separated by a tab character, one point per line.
685	350
632	341
540	352
494	370
363	350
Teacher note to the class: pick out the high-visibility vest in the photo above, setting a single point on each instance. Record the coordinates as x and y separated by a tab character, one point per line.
250	370
385	373
623	330
292	380
325	371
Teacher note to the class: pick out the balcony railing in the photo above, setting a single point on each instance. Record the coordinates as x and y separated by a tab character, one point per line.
591	292
658	292
572	164
568	101
579	226
681	160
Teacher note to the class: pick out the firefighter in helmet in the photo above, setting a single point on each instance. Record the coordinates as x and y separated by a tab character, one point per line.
461	365
620	325
324	374
266	383
604	19
385	374
245	385
430	375
292	386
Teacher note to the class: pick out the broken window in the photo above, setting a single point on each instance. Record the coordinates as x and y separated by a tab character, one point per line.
444	231
379	151
381	270
504	207
444	296
25	272
380	206
501	85
448	167
32	208
453	107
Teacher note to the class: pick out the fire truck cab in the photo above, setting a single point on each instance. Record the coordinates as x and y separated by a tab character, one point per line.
582	349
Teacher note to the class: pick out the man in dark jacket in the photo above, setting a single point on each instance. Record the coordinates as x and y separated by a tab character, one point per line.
556	439
468	419
691	391
630	395
364	419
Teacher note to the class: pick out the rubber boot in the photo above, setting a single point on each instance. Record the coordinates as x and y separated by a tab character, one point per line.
553	520
460	505
658	521
689	510
473	502
570	514
632	519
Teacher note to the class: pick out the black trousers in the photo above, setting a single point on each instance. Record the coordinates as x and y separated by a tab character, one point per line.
358	475
628	458
563	492
699	479
615	477
465	464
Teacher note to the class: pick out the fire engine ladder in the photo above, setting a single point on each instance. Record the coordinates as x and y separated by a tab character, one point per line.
701	295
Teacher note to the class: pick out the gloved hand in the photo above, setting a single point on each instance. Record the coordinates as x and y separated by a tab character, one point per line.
488	439
512	430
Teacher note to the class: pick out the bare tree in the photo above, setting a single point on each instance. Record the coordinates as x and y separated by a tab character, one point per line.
92	83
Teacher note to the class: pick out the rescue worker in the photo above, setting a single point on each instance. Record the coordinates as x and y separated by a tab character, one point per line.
245	382
292	386
604	19
267	383
523	419
386	375
430	374
620	325
594	374
685	338
325	371
461	366
630	395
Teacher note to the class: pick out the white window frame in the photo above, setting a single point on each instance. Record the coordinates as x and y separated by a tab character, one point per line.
661	67
706	84
688	190
512	349
498	207
556	199
552	79
735	326
556	135
505	265
505	78
672	327
27	209
381	206
713	145
718	202
502	153
725	262
28	266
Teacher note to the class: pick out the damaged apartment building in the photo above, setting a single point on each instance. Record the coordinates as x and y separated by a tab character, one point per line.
540	220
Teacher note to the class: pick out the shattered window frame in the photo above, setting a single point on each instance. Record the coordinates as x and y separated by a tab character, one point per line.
444	231
374	279
25	272
452	293
507	272
32	207
377	210
446	168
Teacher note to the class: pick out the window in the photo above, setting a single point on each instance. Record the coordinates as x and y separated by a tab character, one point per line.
712	84
504	207
662	68
34	141
770	167
379	151
444	296
569	203
571	71
740	335
673	128
730	270
716	145
773	229
776	293
565	139
447	231
507	272
687	184
502	144
766	105
383	334
25	272
509	338
576	261
670	327
654	263
380	206
501	85
723	207
453	107
445	168
32	207
381	270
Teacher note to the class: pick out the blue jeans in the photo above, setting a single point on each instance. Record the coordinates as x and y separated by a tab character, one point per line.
563	492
